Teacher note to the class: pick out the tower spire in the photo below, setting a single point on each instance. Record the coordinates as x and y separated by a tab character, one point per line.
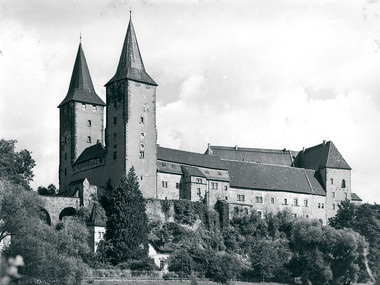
131	65
81	88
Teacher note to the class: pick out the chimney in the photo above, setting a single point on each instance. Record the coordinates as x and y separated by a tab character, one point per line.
236	147
97	141
303	150
209	151
324	143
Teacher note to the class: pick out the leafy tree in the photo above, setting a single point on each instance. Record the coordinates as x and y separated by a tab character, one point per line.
51	190
345	216
15	166
127	226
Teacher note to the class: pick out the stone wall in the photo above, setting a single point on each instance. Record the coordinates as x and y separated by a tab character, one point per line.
54	205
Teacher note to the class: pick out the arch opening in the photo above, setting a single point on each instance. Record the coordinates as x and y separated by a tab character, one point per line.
66	212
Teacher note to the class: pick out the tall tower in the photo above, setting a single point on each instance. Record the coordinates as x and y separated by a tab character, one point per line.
131	134
81	116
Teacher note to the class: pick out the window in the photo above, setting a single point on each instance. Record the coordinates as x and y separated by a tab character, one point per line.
323	205
177	185
216	186
319	205
295	216
162	264
212	185
83	106
141	155
285	201
94	108
219	173
241	198
114	154
114	135
331	181
307	216
89	123
333	206
142	136
199	180
306	203
141	120
142	146
272	200
164	184
345	195
226	187
226	198
114	120
236	211
260	213
343	183
259	199
295	202
89	139
199	192
333	194
141	178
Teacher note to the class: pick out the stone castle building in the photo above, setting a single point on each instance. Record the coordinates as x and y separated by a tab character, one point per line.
311	182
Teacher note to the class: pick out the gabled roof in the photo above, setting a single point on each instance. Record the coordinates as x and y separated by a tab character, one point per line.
81	88
92	152
324	155
131	65
96	218
159	245
267	156
259	176
355	197
189	158
192	171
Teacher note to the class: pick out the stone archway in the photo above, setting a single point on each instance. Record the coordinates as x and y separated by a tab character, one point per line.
54	205
44	214
69	211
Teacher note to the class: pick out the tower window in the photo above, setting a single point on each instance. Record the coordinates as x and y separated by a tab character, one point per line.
89	123
345	195
141	155
343	183
114	154
114	120
333	194
141	120
65	171
272	200
142	135
306	203
94	108
225	187
295	202
83	106
164	184
177	185
142	146
331	181
114	135
333	206
89	139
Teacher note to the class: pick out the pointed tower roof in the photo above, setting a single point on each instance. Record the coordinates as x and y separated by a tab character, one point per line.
324	155
131	65
81	88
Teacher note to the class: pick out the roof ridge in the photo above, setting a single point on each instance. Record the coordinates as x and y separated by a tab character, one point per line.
268	164
251	149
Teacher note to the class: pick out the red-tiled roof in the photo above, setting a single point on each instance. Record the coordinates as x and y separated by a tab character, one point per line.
189	158
267	156
131	65
81	88
324	155
92	152
273	178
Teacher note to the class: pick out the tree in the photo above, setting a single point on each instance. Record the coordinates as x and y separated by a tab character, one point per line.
15	166
345	215
51	190
127	226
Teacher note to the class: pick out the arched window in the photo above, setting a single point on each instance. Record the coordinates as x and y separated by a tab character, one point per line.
343	183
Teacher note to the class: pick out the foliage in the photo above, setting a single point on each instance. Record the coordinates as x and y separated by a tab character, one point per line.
325	254
51	190
345	216
165	205
187	212
127	224
223	209
15	167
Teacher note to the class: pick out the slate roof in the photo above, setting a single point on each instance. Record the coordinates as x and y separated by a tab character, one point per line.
92	152
355	197
267	156
81	88
324	155
159	245
95	218
192	171
190	158
167	167
131	65
273	178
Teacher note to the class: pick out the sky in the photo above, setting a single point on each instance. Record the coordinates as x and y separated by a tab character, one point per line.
263	74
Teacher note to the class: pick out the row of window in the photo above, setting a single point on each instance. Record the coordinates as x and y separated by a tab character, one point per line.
165	184
115	120
343	183
94	107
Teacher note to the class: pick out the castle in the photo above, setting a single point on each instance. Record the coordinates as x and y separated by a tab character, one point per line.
311	182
